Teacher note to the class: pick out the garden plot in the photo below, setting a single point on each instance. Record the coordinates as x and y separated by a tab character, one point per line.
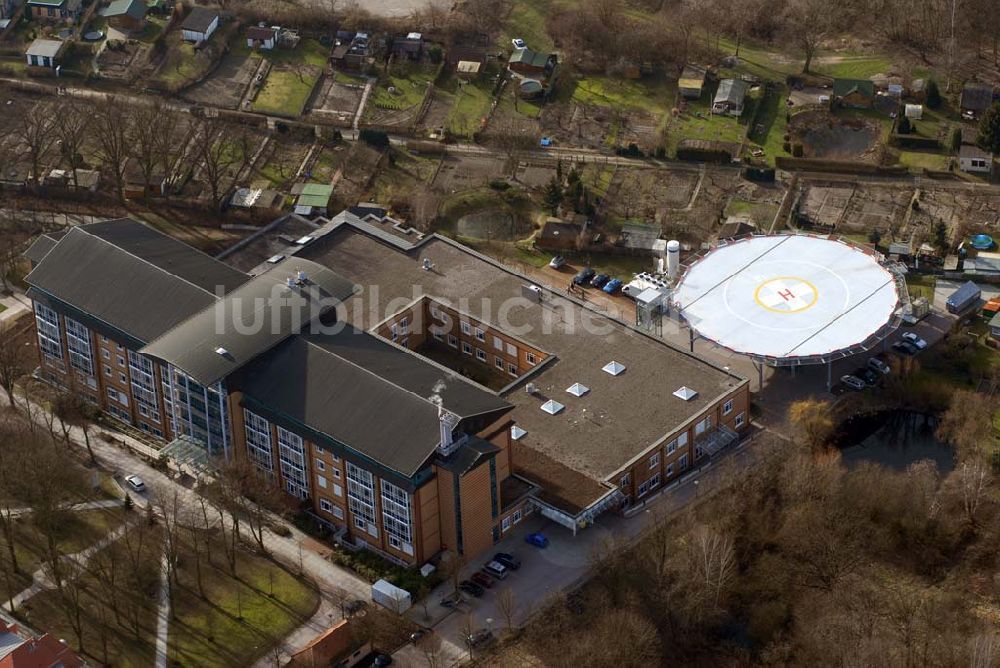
837	137
824	205
339	99
280	168
963	211
876	208
458	173
697	221
227	84
356	181
647	193
535	175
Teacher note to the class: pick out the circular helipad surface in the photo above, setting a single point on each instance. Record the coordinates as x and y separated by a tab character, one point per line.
787	296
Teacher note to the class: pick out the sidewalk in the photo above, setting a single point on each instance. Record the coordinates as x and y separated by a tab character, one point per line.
13	306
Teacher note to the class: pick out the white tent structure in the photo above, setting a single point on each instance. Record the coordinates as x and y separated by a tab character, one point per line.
790	300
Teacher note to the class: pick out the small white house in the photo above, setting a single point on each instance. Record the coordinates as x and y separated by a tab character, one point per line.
45	53
974	159
199	25
262	37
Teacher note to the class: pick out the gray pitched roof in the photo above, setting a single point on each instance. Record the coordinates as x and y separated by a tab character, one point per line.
251	320
976	97
365	393
731	91
131	277
199	19
41	246
48	48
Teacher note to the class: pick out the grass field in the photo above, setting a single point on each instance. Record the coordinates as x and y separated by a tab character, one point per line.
290	82
916	160
653	94
527	21
697	122
854	67
409	86
470	104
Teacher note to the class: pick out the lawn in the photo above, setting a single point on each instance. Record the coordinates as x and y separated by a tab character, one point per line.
651	94
917	160
697	122
182	64
2	308
527	21
409	85
294	74
771	123
239	619
920	285
470	104
854	66
286	91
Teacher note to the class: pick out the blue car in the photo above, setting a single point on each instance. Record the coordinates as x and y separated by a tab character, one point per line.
611	287
537	539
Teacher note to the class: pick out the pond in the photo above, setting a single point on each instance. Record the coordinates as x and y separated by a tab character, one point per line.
895	439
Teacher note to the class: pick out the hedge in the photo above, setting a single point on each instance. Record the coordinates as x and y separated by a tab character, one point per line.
759	174
818	165
914	141
704	154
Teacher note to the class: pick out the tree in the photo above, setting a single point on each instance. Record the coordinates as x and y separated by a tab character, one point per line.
12	364
145	130
875	236
813	420
37	131
71	130
507	605
809	22
112	125
933	95
512	136
964	426
217	153
941	242
989	130
553	196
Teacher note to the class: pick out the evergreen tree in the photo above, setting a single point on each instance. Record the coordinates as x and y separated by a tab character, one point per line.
933	94
989	130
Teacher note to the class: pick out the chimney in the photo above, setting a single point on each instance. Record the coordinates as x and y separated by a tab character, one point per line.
447	422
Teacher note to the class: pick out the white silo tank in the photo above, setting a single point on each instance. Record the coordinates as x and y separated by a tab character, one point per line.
673	258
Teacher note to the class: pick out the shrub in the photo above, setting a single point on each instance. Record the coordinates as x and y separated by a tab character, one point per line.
933	94
797	150
375	138
956	140
499	185
904	127
787	147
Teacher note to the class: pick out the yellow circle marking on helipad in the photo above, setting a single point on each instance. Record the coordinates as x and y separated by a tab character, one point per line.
786	294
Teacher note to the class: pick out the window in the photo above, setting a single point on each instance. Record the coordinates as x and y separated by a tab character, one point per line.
336	457
740	419
466	348
338	512
727	408
436	313
671	446
703	426
361	495
626	480
122	378
654	482
512	350
516	516
104	339
654	461
512	369
452	341
326	506
505	525
336	473
643	488
670	470
107	371
499	362
320	464
498	343
437	336
112	394
466	328
404	325
106	354
143	382
259	441
405	343
321	481
480	355
393	334
78	342
338	490
396	514
531	359
49	338
480	334
682	463
119	347
292	459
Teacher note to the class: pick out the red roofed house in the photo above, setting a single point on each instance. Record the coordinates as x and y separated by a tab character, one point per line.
21	649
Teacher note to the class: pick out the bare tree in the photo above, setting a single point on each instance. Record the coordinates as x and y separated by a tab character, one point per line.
963	426
809	23
813	420
219	150
512	136
507	604
71	131
714	560
37	131
12	364
112	125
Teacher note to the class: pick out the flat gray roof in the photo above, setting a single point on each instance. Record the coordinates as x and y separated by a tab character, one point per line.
45	47
596	434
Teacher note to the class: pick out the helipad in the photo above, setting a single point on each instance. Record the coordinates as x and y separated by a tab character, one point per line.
790	299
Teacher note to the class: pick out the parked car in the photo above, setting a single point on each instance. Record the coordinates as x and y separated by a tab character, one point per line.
852	382
904	347
878	364
600	280
867	375
496	569
545	142
508	560
584	276
382	660
354	607
418	634
471	588
911	337
135	482
537	539
482	579
448	602
479	638
611	287
518	43
557	262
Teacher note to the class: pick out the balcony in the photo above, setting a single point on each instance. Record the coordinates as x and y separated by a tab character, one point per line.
713	442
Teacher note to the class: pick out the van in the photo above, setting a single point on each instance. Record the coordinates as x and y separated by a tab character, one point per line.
496	569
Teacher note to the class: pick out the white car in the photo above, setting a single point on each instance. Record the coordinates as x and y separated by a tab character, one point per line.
136	483
914	339
518	43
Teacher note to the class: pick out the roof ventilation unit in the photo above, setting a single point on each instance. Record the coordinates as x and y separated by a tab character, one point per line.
552	407
532	293
686	393
614	368
426	264
302	241
275	259
290	281
577	390
516	432
301	277
530	388
222	351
